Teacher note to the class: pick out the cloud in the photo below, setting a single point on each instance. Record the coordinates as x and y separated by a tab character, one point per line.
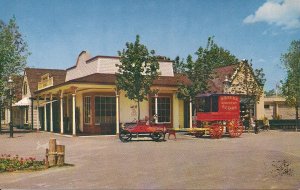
284	13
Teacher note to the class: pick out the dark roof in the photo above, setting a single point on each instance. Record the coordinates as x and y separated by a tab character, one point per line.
17	86
219	74
111	78
34	76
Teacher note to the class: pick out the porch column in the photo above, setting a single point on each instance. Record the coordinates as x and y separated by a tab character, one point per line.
156	118
68	114
117	113
191	114
31	98
51	113
61	114
38	115
73	118
45	114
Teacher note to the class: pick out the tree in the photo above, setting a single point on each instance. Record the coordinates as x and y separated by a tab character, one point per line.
13	53
219	56
137	72
178	65
198	72
271	92
291	85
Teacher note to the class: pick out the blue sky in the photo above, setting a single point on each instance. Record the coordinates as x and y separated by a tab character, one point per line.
58	30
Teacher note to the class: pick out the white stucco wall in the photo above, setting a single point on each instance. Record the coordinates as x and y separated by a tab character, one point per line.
106	65
126	109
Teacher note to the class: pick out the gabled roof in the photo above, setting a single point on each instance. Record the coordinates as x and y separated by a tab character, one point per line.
34	76
219	74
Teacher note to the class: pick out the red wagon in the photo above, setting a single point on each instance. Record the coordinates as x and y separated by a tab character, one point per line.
218	113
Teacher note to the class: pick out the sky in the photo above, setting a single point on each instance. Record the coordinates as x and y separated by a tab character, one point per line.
58	30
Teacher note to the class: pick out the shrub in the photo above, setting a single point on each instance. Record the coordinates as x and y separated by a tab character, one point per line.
9	163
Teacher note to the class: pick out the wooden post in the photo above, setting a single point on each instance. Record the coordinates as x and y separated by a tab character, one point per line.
51	113
46	160
73	113
45	114
52	152
61	113
117	113
60	155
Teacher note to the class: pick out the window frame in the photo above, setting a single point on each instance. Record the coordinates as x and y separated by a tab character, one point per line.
85	110
152	108
112	110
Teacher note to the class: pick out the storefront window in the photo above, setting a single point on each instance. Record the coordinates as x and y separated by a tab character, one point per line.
163	108
87	109
105	110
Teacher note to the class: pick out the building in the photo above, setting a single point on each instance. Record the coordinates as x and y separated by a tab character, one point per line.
83	99
275	107
27	106
234	75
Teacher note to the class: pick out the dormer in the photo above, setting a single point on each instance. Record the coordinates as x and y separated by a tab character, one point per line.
46	81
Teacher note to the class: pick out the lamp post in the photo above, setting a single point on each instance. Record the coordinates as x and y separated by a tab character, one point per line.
10	84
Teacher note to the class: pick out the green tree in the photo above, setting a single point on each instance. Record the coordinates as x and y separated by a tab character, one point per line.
219	56
198	72
271	92
13	51
137	72
178	65
291	85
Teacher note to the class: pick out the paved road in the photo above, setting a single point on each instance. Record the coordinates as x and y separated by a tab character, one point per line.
263	161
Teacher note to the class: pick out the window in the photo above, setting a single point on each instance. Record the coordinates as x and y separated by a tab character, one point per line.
203	104
25	88
163	108
105	109
87	109
267	106
26	115
214	103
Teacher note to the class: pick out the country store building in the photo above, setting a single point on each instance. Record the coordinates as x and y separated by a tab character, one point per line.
83	98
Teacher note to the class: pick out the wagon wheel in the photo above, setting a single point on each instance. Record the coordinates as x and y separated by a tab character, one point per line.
199	134
235	128
216	131
157	135
125	136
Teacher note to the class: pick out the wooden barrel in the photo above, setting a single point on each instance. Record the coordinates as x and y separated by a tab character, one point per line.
52	152
60	149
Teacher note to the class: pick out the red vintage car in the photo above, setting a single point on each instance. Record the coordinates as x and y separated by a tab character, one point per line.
156	131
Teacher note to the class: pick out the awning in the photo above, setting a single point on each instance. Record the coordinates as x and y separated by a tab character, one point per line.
24	102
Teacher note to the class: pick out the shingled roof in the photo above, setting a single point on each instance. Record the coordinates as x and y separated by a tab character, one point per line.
219	74
34	76
102	78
